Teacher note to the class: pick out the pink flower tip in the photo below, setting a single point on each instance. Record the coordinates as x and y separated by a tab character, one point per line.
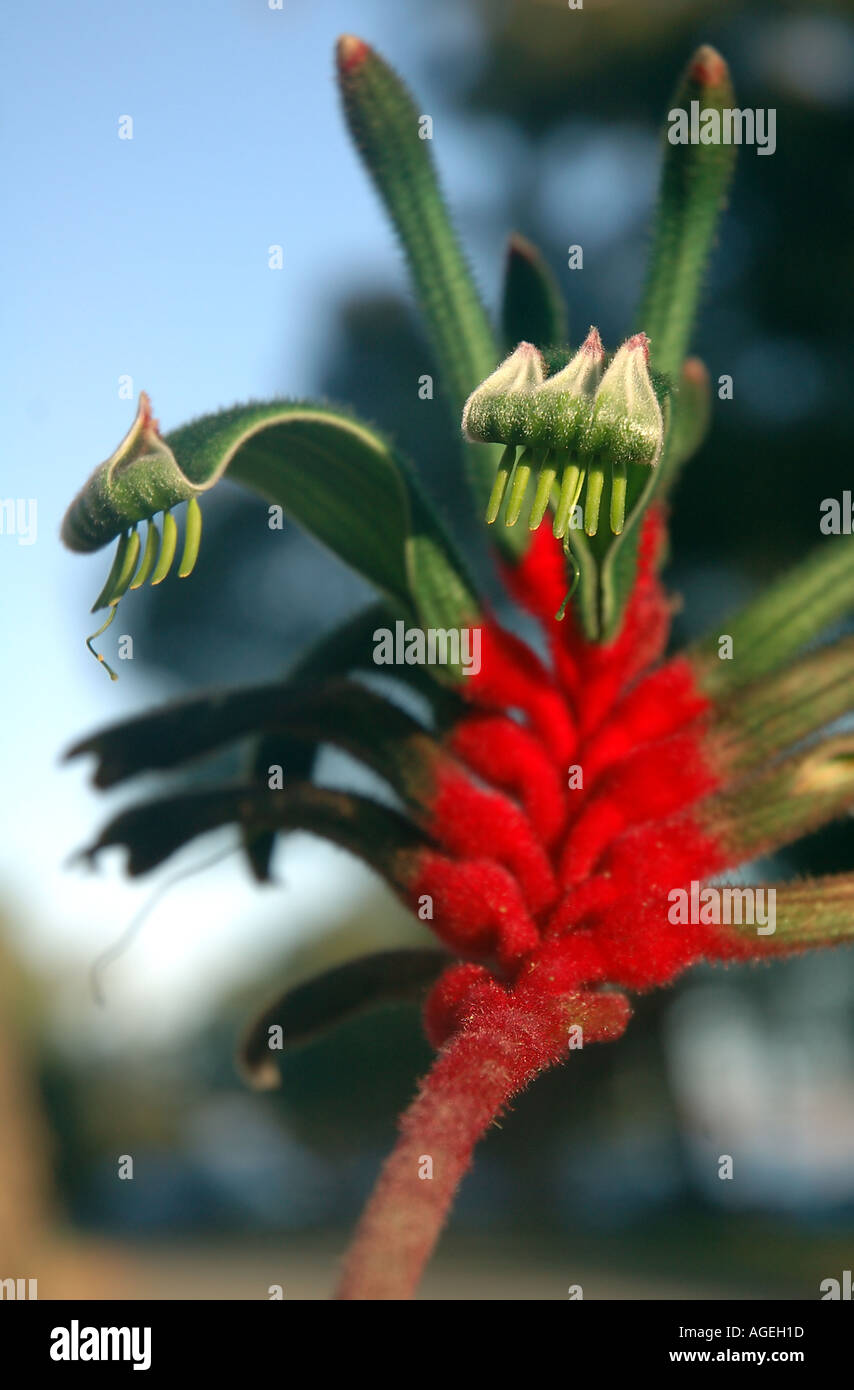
707	67
639	340
592	344
145	415
519	245
350	53
694	371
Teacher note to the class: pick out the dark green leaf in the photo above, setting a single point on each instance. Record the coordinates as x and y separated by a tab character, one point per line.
154	830
533	309
307	1010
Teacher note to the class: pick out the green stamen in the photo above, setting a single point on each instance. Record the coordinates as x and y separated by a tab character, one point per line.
618	497
168	546
505	468
570	491
542	497
519	487
593	497
152	544
192	538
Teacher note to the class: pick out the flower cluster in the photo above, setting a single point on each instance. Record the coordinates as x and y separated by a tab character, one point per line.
576	422
547	807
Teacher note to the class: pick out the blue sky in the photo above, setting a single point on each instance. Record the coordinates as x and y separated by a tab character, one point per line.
148	258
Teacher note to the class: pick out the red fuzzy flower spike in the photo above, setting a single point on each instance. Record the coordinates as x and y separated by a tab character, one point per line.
605	785
611	770
586	843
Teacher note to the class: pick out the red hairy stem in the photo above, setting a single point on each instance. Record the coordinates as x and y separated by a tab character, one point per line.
505	1041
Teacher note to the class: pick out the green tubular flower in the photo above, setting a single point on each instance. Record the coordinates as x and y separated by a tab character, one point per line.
628	424
577	422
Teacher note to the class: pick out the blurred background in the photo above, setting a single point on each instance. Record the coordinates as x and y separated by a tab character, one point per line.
148	259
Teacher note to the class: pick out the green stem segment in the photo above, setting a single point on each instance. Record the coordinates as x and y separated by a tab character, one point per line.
770	630
694	182
395	143
474	1076
763	719
785	802
815	912
576	575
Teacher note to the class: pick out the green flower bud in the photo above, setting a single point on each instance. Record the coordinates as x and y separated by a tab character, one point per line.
582	374
563	405
495	412
628	426
139	479
576	428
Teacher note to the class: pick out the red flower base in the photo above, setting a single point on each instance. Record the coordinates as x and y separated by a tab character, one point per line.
566	814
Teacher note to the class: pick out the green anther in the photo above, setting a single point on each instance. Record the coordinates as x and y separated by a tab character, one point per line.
128	567
505	468
115	569
618	497
116	579
542	496
168	546
103	628
570	491
152	543
519	487
593	498
192	538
